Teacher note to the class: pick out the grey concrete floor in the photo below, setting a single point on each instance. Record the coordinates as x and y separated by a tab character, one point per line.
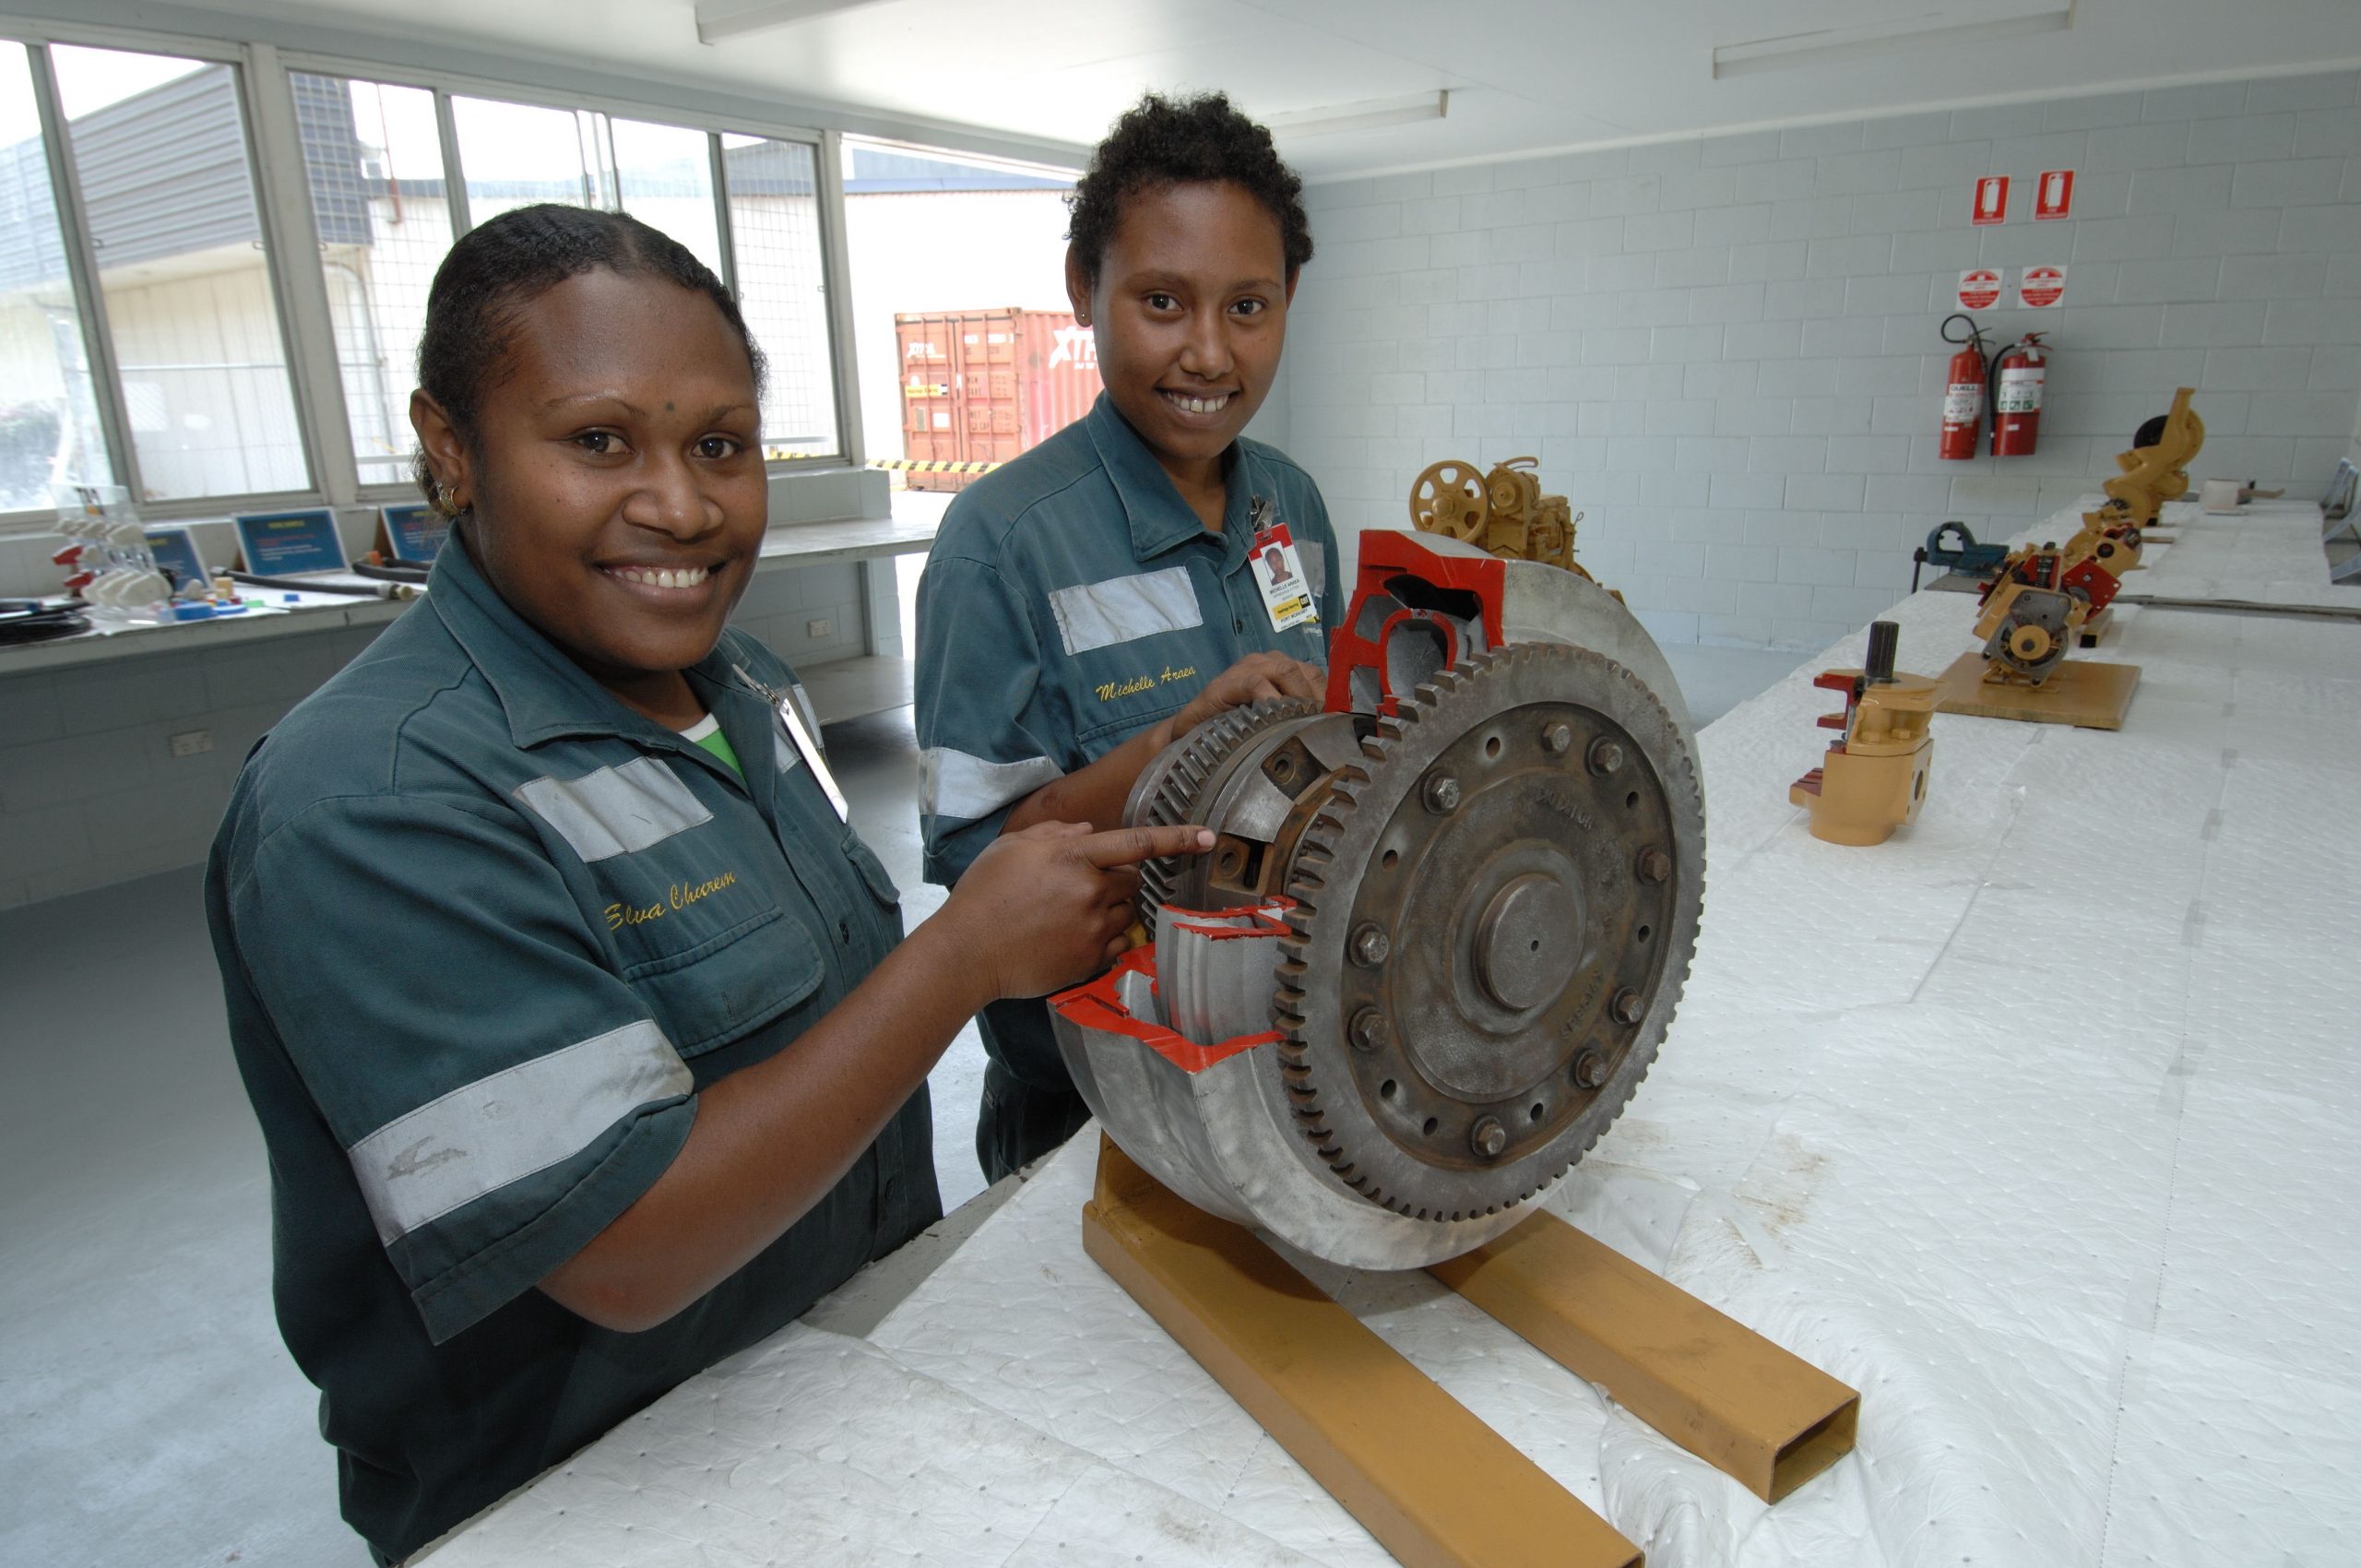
149	1412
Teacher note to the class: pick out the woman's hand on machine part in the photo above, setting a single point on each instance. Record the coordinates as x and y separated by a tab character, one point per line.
1049	906
1251	679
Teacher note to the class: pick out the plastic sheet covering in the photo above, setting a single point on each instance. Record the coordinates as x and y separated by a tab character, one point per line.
2034	1124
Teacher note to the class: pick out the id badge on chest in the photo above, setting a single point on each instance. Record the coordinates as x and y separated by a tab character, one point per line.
1278	572
808	748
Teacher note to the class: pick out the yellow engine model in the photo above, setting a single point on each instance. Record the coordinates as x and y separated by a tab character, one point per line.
1874	779
1503	511
2156	471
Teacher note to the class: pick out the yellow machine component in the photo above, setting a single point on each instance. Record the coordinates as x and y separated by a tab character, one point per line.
2154	473
1503	511
1874	779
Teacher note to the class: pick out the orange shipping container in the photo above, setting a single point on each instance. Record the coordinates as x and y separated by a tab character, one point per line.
983	386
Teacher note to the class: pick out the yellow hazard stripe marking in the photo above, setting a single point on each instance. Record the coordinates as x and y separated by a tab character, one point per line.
932	468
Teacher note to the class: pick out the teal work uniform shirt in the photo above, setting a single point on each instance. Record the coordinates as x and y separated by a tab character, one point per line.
1074	599
485	933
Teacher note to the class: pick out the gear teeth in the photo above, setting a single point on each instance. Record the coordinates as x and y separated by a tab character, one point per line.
1320	846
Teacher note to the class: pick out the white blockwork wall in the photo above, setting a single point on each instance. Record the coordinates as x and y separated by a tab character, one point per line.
1726	350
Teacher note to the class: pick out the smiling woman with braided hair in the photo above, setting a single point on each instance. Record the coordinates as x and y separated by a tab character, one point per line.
580	1027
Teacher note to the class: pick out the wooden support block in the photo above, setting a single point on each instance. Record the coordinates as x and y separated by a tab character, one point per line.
1763	1415
1437	1487
2090	633
2081	692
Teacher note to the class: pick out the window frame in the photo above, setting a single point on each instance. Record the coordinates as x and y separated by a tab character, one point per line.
261	72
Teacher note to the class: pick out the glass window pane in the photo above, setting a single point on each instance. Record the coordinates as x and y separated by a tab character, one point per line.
517	154
49	416
775	233
160	150
374	159
927	394
664	174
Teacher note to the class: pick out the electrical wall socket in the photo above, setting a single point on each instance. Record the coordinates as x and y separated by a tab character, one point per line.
817	630
190	742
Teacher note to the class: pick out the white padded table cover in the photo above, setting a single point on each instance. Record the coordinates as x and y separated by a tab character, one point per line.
2036	1124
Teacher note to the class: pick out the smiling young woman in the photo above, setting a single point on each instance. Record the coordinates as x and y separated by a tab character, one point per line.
519	916
1112	588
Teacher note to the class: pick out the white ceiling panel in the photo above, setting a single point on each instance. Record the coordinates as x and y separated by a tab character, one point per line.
1524	75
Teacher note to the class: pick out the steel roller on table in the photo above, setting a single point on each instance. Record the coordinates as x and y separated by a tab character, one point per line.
1441	932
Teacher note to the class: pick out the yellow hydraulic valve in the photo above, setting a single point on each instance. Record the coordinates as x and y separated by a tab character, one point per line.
1874	779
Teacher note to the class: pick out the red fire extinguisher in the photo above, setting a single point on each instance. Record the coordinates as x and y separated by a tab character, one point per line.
2016	399
1963	392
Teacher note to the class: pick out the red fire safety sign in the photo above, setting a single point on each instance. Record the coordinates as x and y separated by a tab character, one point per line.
2054	197
1979	290
2041	287
1991	200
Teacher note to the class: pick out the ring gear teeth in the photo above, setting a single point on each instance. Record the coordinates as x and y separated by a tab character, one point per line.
1395	768
1179	774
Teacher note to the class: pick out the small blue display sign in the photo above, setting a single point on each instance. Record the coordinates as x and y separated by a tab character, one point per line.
278	544
413	531
176	556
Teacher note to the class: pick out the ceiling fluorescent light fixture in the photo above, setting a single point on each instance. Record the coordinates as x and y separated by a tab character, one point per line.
1364	116
718	20
1872	41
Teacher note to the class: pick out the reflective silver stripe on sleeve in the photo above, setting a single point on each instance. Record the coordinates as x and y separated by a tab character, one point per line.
954	784
616	811
502	1129
1316	568
1102	614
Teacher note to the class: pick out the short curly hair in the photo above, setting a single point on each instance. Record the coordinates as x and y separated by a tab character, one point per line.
1166	141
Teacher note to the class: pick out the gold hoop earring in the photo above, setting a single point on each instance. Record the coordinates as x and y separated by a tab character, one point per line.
445	504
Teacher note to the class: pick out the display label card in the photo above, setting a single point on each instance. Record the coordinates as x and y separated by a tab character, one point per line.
1979	289
413	531
176	556
2054	196
1991	200
277	544
2041	287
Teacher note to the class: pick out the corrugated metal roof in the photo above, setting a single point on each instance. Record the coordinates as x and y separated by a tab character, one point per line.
164	173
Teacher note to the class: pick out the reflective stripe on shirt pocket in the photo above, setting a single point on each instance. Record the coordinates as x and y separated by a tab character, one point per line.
957	785
616	811
1119	610
501	1129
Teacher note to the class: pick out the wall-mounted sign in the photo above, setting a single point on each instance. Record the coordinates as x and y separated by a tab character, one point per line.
2041	287
176	556
411	532
277	544
1991	200
2054	196
1979	289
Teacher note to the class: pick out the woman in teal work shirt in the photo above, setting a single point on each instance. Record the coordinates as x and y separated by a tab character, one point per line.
1142	570
573	1013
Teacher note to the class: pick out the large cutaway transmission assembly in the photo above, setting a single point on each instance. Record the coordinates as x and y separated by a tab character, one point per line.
1442	928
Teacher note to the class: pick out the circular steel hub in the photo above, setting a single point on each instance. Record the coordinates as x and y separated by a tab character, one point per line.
1523	937
1495	888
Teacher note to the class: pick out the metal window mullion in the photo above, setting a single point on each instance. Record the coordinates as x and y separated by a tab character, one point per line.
835	278
722	230
455	178
82	270
283	195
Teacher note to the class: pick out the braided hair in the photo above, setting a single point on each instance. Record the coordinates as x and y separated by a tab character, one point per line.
502	264
1162	141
